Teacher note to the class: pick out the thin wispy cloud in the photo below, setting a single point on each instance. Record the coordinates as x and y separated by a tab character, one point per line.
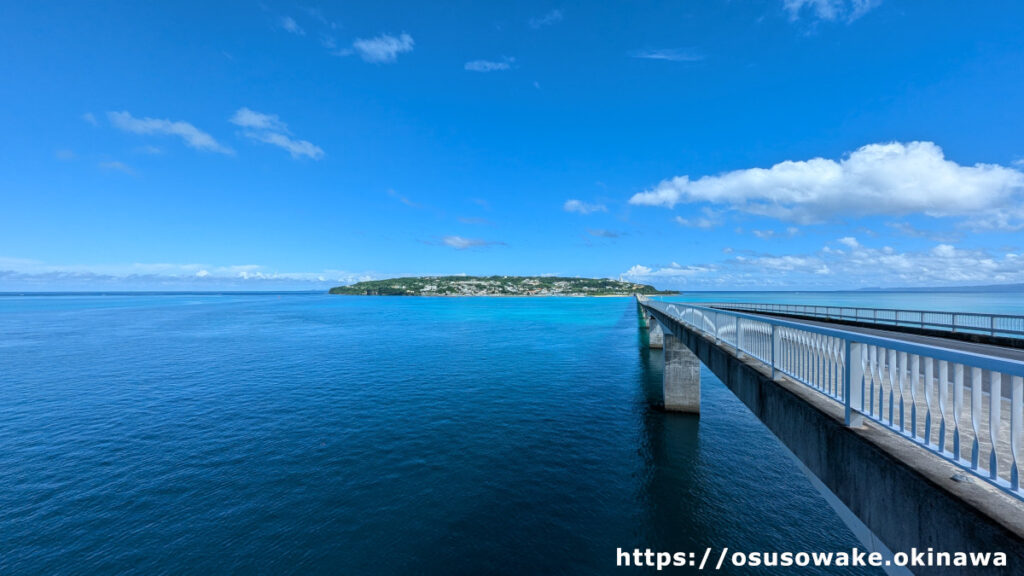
26	274
552	17
864	183
403	199
290	25
251	119
460	243
65	154
708	219
704	223
490	65
669	54
769	234
581	207
269	129
115	166
383	49
89	118
829	10
189	134
602	233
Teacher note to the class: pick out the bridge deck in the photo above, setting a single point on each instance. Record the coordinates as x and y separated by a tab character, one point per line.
963	421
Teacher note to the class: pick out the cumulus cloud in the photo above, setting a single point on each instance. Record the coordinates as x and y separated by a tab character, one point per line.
189	134
552	17
490	65
670	54
269	129
460	243
384	48
290	25
848	10
583	207
877	179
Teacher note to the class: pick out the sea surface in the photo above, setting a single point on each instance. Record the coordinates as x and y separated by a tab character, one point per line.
316	434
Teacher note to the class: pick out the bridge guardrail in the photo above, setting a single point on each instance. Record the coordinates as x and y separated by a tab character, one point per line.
966	407
1005	325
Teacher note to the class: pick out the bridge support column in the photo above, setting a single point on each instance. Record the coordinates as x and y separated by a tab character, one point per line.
681	384
655	333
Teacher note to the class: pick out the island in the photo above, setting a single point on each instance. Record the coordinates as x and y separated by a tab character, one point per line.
496	286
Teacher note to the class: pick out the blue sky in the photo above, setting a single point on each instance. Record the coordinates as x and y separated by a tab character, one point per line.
807	144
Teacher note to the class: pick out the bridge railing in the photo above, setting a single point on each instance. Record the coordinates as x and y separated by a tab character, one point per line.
966	407
967	322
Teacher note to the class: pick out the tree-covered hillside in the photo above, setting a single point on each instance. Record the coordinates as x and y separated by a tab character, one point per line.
496	286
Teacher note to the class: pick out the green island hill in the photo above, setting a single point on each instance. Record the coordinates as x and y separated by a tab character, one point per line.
496	286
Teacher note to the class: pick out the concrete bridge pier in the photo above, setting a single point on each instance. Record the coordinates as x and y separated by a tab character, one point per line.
681	384
655	333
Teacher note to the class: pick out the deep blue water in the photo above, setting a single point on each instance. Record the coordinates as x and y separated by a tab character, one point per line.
304	433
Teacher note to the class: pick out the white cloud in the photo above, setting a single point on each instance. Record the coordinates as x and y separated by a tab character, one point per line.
670	54
294	147
65	154
247	118
940	266
641	273
290	25
583	207
552	17
877	179
695	222
602	233
191	135
848	10
490	65
460	243
90	119
384	48
849	241
23	274
268	128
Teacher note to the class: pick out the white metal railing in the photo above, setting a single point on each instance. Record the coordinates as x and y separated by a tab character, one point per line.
966	407
967	322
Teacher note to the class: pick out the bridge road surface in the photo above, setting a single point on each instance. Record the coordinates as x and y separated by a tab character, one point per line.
1004	455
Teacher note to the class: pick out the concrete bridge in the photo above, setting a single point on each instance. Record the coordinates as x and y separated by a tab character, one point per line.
911	423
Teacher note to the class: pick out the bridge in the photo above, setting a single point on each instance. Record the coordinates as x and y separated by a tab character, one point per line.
910	422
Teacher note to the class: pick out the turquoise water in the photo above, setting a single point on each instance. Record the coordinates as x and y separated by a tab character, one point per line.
304	433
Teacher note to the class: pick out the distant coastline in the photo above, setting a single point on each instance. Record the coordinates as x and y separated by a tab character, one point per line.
456	286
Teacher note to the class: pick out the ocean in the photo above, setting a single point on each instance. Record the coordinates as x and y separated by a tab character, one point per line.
316	434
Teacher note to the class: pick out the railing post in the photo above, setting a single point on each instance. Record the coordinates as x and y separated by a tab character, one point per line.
739	351
775	338
993	324
853	373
